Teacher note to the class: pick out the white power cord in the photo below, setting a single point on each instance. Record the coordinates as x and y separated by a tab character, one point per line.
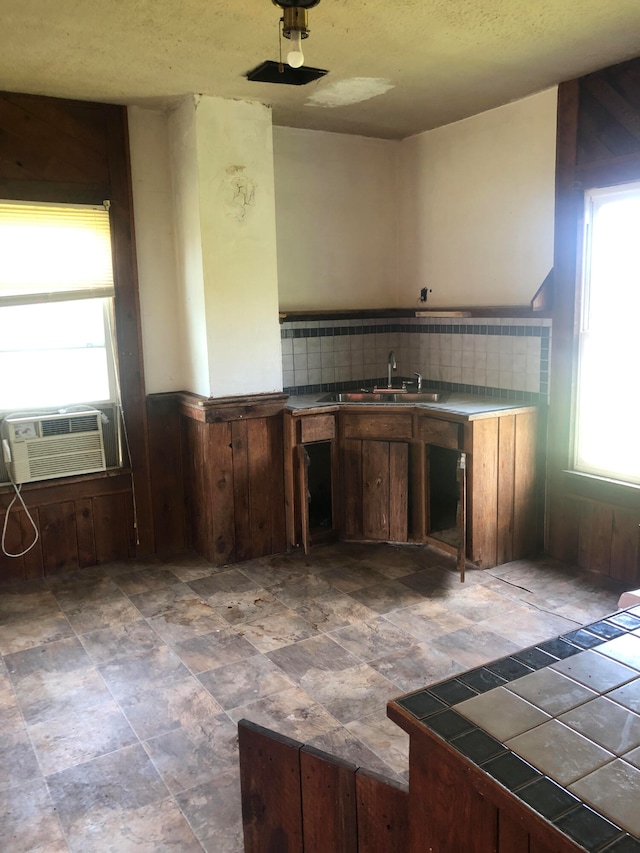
16	497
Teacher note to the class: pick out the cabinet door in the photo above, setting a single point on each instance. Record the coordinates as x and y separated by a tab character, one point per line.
376	503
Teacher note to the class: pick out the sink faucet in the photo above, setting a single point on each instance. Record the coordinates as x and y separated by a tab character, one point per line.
418	381
391	365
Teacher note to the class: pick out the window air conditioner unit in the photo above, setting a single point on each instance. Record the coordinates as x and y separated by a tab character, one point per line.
43	446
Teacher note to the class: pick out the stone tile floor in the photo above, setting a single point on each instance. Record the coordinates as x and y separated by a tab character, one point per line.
121	685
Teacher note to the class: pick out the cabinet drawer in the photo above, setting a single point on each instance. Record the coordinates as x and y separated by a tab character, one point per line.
442	433
317	428
380	426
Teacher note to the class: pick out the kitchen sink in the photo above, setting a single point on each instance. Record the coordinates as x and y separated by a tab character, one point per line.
425	396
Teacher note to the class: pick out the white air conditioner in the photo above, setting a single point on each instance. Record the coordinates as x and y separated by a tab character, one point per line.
60	444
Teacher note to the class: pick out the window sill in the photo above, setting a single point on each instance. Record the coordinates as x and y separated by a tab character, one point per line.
79	481
595	487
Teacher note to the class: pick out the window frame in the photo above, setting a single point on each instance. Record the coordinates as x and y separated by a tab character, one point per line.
109	313
592	199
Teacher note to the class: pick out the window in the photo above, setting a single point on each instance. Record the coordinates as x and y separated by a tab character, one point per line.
607	403
56	306
57	342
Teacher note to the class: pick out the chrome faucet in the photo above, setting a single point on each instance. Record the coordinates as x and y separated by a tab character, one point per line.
418	381
391	365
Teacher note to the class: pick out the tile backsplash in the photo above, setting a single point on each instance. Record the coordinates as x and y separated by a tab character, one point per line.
505	357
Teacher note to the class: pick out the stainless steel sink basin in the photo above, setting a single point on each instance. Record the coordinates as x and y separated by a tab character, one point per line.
425	396
357	397
420	396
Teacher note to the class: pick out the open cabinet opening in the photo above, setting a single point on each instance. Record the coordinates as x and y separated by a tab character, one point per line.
443	494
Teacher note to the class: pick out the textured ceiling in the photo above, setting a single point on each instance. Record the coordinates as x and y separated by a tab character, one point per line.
433	61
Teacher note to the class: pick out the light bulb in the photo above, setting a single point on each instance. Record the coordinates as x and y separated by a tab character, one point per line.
295	57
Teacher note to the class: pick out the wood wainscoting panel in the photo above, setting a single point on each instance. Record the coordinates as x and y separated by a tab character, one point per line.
600	537
166	471
234	478
81	523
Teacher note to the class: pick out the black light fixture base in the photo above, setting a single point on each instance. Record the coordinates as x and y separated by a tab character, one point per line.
275	72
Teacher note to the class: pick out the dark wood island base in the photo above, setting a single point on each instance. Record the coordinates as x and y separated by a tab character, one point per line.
534	753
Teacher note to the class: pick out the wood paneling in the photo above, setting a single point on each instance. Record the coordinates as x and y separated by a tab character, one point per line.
234	484
75	532
167	476
442	433
625	532
502	488
589	520
352	487
297	799
114	533
599	537
53	142
398	491
455	805
453	816
512	835
383	814
329	820
383	426
483	490
526	535
75	152
317	428
375	489
506	478
385	484
270	782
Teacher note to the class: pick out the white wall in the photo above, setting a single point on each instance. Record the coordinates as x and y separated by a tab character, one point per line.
476	207
205	228
237	217
361	223
185	179
336	220
163	338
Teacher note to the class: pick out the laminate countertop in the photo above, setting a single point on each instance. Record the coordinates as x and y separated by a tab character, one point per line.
460	406
557	724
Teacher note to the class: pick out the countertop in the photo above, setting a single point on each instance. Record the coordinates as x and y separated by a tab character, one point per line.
460	406
558	725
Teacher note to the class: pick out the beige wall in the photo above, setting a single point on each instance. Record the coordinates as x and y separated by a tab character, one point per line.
336	220
237	216
185	180
476	207
205	223
163	339
466	210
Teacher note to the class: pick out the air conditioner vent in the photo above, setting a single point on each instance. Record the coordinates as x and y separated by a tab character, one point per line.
65	426
63	445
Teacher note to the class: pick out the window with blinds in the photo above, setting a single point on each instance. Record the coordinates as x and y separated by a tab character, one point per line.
56	306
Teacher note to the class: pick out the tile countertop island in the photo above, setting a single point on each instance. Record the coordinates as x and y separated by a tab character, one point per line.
537	752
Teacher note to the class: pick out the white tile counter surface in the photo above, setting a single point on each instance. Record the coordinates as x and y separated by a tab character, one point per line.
558	725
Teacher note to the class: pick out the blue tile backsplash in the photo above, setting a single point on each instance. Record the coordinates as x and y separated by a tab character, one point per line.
505	358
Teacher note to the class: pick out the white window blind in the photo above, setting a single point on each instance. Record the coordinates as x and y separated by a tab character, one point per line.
54	252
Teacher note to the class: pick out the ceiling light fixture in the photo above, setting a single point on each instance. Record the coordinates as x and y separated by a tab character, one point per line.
294	22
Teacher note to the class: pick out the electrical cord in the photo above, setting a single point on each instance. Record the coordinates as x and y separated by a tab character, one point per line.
16	497
125	432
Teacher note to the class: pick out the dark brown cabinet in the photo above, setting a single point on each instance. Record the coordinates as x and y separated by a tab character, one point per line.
374	462
410	475
312	478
